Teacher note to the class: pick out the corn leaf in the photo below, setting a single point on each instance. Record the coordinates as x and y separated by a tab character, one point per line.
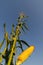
4	27
25	26
20	47
19	42
2	43
23	42
23	29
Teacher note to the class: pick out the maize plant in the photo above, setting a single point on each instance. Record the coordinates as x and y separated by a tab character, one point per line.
12	40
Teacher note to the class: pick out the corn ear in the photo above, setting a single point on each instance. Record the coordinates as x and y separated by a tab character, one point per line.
24	55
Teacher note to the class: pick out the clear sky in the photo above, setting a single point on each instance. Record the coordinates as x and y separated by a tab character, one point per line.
9	11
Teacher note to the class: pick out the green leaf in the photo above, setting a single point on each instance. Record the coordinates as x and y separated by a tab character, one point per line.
19	42
2	43
23	29
4	27
19	47
25	25
0	53
23	42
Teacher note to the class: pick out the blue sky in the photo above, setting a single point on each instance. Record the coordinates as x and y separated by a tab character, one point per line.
9	11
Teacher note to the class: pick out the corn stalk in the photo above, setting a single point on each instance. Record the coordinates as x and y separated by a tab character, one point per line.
14	38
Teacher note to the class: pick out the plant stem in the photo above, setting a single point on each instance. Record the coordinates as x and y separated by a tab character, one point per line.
12	51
